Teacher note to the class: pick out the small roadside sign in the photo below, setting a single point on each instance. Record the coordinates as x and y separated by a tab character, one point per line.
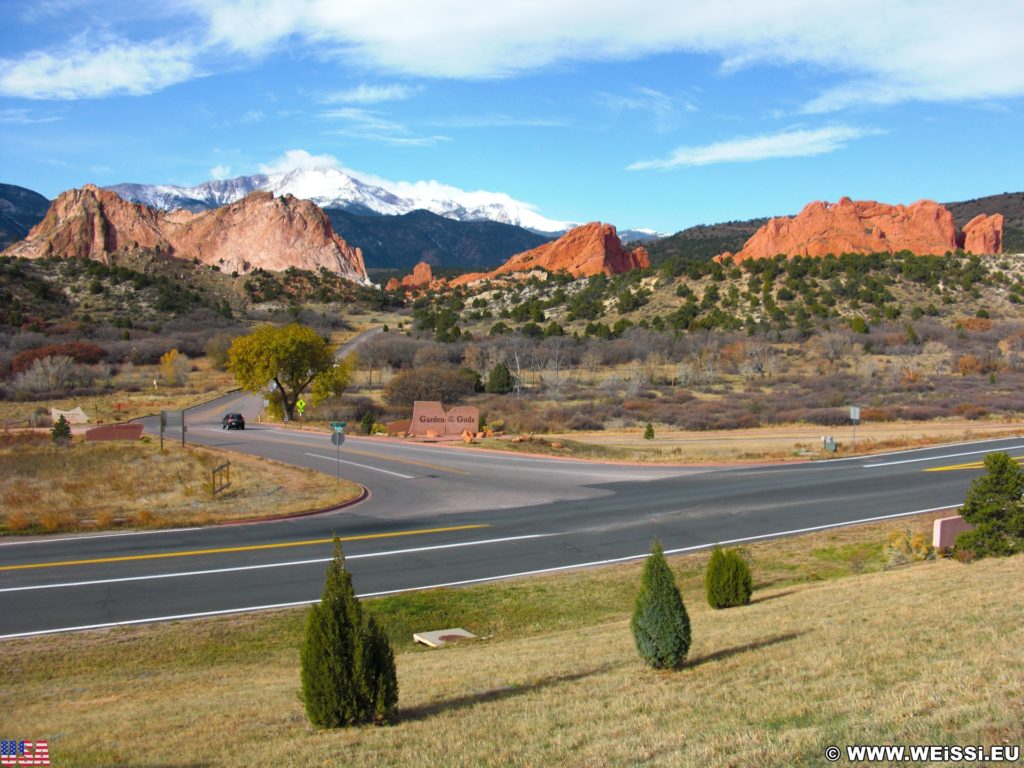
855	420
300	406
337	439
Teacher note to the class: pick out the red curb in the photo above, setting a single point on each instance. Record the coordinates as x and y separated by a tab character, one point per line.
309	513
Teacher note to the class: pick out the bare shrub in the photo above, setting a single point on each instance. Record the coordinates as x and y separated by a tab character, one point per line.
448	385
53	374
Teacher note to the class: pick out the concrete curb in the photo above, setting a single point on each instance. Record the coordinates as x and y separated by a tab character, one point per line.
296	515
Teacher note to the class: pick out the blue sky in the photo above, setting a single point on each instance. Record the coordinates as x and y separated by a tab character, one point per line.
642	113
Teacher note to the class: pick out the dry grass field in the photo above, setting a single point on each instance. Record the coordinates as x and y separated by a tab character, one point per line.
928	653
791	440
98	486
775	443
131	395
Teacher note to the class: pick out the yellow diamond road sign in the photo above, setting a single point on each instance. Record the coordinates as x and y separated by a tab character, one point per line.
301	405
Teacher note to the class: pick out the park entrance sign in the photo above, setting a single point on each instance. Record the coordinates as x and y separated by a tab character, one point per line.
429	419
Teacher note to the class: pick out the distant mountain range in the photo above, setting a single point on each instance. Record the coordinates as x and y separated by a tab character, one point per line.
397	232
400	242
20	210
335	189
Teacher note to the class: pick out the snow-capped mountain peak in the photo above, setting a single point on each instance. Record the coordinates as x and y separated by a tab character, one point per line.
331	187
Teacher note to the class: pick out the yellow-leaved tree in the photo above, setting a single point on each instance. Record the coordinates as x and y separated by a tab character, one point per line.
290	358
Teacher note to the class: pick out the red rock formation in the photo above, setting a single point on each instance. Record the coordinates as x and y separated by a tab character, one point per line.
584	251
421	278
851	226
91	223
257	231
984	234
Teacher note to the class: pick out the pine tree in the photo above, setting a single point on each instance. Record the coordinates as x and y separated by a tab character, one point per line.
382	684
649	431
728	581
993	505
661	626
366	422
348	670
61	431
499	381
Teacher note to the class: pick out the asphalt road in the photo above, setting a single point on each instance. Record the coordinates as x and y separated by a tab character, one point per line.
449	516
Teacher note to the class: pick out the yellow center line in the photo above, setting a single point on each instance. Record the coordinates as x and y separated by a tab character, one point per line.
249	548
969	465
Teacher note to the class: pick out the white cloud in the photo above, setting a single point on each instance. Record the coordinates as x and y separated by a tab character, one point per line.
798	142
299	159
875	52
21	116
370	94
644	99
252	116
948	50
84	71
220	172
372	125
662	107
497	120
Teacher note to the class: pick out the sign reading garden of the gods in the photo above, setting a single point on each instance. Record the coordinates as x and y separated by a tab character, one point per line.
430	416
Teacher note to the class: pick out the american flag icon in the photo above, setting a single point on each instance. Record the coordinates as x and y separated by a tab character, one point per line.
16	753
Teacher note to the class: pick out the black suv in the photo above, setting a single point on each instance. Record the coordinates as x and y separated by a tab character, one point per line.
233	421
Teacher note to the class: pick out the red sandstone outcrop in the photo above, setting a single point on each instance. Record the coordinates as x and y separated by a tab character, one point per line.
257	231
421	277
864	226
984	234
584	251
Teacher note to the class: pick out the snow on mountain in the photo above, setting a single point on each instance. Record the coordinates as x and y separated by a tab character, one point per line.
640	235
335	188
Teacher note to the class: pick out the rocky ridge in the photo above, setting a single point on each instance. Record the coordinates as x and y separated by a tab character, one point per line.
865	226
259	231
587	250
984	234
422	277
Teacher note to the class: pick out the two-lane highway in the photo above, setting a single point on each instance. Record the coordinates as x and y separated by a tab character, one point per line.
449	516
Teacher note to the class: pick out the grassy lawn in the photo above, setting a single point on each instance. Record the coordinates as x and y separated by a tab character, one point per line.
882	657
99	486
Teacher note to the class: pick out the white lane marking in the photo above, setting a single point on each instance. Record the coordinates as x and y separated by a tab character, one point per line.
156	619
665	468
868	457
676	551
464	582
91	536
938	458
364	466
292	563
